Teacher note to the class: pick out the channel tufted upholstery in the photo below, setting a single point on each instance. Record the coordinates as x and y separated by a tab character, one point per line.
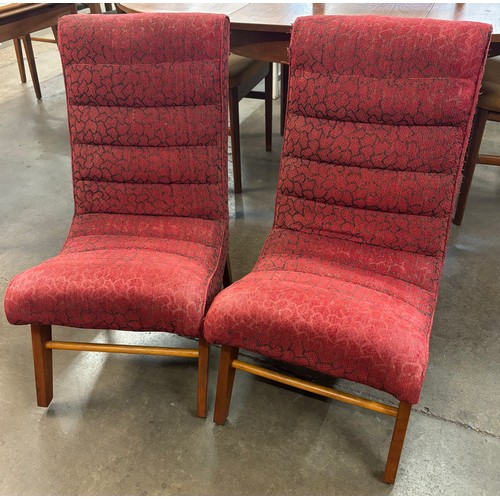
379	112
147	110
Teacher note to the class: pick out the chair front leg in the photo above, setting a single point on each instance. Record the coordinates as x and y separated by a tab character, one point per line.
42	360
30	56
225	383
20	59
398	437
203	362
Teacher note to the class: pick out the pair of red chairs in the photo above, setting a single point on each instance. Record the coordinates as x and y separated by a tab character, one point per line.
379	112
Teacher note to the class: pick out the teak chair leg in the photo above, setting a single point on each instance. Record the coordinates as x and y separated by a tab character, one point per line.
56	33
234	120
95	8
42	360
28	47
284	95
20	59
268	85
203	361
477	132
398	437
225	383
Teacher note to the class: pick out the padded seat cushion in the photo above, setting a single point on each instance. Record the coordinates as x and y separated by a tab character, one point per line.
490	89
342	308
121	272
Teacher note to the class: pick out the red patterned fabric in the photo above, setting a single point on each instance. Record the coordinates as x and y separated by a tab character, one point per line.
147	108
379	114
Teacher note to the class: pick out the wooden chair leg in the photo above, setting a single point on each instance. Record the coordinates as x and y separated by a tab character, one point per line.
32	65
225	383
284	95
268	85
227	278
55	32
95	8
203	362
234	120
20	59
398	437
108	7
470	163
42	360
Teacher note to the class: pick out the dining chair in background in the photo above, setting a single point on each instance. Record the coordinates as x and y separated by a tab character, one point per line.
378	114
18	21
488	109
147	109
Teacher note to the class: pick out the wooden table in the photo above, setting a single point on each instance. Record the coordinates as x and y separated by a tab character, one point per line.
262	31
18	19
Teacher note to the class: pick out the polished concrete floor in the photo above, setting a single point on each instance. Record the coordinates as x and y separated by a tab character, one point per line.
125	424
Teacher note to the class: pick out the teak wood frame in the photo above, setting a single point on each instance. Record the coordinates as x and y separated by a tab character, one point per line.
43	345
229	363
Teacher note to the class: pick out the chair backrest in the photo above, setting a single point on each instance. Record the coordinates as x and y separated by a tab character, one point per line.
147	110
379	112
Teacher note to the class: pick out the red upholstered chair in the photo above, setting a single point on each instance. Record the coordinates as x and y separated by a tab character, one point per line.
147	107
379	110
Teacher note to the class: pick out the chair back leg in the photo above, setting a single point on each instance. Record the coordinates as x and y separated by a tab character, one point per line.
234	121
470	163
268	91
398	437
225	383
42	360
284	95
227	278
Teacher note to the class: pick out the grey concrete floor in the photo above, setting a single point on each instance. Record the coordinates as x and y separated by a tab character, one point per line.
125	425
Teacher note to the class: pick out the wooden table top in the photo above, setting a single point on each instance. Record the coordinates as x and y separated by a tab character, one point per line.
213	8
279	17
